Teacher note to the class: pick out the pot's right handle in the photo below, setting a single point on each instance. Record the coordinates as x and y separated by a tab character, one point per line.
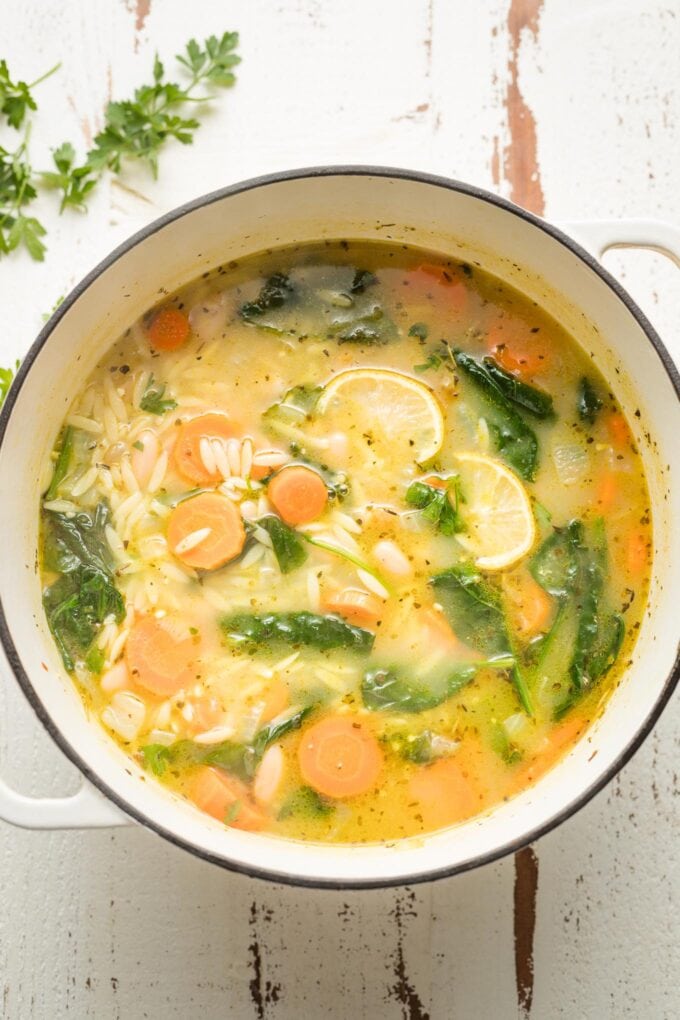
598	236
85	809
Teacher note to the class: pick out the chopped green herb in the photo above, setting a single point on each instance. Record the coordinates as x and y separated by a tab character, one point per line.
233	811
138	445
154	400
361	280
6	377
275	292
441	507
307	803
588	401
420	330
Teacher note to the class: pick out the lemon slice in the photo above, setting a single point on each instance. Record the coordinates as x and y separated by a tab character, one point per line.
497	513
387	409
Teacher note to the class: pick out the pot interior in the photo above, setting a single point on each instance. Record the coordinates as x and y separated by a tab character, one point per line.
455	221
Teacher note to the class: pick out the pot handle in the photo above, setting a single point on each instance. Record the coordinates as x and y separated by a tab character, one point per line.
85	809
598	236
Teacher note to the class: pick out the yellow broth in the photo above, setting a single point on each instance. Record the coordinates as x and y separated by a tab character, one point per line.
298	317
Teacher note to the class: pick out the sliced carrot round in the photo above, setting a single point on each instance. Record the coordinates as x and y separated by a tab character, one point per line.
357	606
226	799
159	658
298	494
531	608
444	793
454	293
206	531
187	449
607	491
168	329
339	757
517	349
437	631
618	430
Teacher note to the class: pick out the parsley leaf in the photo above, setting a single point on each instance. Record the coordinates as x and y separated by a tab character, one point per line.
15	96
6	379
138	128
153	399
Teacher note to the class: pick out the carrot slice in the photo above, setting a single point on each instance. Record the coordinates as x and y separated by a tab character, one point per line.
516	348
226	799
438	633
454	292
360	607
339	757
187	449
530	606
618	430
207	712
298	494
445	793
637	552
168	330
558	742
276	699
607	491
158	658
206	531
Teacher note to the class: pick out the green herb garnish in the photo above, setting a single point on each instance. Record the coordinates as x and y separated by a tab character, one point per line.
154	400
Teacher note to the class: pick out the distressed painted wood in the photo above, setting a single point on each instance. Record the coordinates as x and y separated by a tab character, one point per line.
570	107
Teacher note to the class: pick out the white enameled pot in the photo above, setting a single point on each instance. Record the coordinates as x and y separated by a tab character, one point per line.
308	205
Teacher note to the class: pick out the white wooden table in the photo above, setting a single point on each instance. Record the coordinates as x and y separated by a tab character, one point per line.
571	107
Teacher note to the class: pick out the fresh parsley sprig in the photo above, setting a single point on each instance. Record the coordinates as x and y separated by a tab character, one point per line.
138	128
15	97
134	129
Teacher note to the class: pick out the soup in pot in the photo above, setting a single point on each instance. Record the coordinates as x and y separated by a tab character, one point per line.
345	542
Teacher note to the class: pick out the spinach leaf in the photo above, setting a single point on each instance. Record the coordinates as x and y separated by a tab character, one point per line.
556	563
307	803
316	631
71	543
238	759
473	608
503	746
361	280
420	330
514	440
62	465
439	506
288	549
275	292
420	748
368	326
76	605
389	690
588	401
587	635
529	398
79	601
278	728
154	400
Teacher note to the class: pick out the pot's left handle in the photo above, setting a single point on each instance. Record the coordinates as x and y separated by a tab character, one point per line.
598	236
85	809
